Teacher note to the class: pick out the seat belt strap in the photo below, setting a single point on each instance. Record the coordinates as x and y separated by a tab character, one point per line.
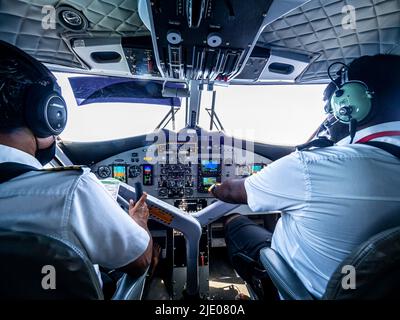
11	170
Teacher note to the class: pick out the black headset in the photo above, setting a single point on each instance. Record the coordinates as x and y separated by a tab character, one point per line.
45	110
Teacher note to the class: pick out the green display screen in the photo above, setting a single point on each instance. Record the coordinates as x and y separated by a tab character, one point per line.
256	168
119	172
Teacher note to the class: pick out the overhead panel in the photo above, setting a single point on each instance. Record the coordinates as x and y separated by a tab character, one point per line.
204	39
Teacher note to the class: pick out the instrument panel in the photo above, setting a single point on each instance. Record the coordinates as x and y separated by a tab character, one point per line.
181	173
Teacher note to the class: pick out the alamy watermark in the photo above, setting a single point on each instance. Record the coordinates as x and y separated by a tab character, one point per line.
349	279
189	146
49	17
349	20
49	278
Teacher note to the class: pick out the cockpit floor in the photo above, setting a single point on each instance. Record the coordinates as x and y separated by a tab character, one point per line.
224	282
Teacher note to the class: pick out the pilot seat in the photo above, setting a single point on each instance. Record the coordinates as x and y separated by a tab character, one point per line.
376	263
27	260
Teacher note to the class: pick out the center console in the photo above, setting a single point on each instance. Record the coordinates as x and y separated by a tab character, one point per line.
175	181
177	177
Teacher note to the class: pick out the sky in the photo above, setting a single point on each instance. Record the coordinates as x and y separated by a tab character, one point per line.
276	114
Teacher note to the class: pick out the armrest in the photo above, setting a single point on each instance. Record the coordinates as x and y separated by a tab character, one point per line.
283	276
129	288
250	264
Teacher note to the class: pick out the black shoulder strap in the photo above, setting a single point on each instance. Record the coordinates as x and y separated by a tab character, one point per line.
388	147
321	142
324	142
11	170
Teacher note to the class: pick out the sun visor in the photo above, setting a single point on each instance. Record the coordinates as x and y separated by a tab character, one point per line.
89	90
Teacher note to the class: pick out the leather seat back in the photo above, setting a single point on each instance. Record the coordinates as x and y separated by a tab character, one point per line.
23	259
377	266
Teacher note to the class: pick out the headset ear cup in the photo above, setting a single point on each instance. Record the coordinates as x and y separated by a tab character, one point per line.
45	111
56	114
352	101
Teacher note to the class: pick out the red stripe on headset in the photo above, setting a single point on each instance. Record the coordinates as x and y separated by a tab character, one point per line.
379	135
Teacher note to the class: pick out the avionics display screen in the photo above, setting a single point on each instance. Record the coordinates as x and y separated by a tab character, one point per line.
147	175
257	167
209	181
208	166
119	172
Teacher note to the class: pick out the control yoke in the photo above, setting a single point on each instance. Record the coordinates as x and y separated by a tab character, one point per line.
189	225
138	190
172	217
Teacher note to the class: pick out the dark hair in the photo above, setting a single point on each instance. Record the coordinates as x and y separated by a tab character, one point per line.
381	73
15	77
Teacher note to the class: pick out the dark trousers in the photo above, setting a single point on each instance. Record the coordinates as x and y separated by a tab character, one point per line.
244	236
110	279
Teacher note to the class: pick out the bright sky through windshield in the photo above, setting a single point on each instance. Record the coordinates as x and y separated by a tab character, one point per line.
285	115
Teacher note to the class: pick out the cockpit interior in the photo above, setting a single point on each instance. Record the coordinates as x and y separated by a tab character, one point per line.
173	53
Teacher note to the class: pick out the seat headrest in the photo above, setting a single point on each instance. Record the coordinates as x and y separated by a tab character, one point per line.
23	256
377	265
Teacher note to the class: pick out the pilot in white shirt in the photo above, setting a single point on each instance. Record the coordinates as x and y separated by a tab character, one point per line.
73	206
332	199
70	205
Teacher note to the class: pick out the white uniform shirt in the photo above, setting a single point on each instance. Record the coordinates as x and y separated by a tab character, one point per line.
332	200
73	206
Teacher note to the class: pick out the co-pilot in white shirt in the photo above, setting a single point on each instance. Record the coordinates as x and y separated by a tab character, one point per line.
73	206
332	200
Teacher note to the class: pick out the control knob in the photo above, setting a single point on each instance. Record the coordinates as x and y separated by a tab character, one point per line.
163	192
188	192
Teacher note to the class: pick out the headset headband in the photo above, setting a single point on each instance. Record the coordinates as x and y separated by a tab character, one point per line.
342	74
45	111
43	74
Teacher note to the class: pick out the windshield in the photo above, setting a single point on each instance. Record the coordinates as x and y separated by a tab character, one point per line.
276	114
108	121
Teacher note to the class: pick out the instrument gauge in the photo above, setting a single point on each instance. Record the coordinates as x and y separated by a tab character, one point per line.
104	172
188	192
134	171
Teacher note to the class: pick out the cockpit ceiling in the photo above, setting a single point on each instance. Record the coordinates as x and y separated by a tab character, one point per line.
315	29
21	25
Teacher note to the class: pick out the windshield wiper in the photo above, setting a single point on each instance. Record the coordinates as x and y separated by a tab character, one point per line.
170	116
214	119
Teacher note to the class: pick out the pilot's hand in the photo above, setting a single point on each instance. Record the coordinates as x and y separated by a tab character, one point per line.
139	211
